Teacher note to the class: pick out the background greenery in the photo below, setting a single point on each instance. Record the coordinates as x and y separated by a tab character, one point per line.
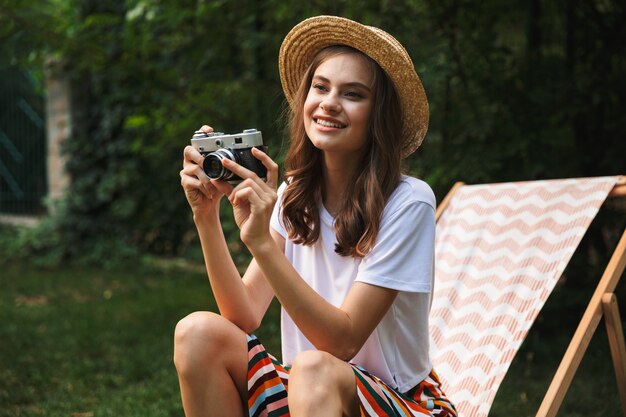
518	90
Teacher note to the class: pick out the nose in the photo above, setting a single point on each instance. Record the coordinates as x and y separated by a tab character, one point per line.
330	104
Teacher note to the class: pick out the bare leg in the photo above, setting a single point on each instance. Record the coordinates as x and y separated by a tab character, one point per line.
321	385
211	358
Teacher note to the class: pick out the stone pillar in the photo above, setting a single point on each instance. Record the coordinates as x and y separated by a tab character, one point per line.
58	127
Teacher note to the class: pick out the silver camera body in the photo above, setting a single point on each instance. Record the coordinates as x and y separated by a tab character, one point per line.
216	146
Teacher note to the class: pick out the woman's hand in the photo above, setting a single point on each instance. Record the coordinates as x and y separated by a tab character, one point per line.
200	190
253	199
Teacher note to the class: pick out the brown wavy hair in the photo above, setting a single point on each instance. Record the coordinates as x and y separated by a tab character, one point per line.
358	221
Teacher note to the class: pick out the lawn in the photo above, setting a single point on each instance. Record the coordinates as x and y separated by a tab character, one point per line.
86	342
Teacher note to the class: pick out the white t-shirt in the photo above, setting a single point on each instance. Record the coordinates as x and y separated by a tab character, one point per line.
401	259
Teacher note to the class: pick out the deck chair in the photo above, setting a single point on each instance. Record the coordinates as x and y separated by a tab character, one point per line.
500	250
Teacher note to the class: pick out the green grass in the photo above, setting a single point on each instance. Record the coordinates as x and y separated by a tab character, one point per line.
86	342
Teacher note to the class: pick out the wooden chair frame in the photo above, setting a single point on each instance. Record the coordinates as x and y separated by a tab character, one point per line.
603	303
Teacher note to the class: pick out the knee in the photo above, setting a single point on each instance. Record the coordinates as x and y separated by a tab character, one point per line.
317	378
312	364
313	376
312	381
198	340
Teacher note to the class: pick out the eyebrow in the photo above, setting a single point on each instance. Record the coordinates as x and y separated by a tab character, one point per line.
350	84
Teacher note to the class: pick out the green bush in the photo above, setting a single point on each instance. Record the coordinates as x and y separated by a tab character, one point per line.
511	100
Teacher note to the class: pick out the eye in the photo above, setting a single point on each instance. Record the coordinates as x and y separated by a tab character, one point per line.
319	86
354	95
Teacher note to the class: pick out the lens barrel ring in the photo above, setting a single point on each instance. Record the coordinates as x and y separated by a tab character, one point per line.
213	164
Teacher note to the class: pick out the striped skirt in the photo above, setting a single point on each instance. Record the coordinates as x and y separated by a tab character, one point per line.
268	381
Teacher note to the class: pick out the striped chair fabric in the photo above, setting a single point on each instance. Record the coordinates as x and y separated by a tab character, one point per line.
500	250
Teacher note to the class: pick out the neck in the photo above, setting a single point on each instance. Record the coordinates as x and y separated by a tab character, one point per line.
338	174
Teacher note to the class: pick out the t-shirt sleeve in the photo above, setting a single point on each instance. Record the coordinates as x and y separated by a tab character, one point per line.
403	256
276	221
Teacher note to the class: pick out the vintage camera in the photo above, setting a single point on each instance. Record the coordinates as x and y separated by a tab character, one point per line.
216	146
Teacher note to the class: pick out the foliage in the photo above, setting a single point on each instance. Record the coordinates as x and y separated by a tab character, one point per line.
523	90
518	90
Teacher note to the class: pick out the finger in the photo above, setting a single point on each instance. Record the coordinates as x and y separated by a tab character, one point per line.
246	196
191	154
222	186
195	171
209	187
258	197
191	183
237	169
206	129
248	183
267	194
191	168
270	165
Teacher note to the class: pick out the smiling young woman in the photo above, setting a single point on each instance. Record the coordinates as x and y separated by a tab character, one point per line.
378	116
345	244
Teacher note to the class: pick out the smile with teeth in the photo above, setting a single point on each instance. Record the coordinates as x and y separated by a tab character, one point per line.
327	123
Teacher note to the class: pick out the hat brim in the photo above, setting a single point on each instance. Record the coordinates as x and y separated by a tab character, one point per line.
308	37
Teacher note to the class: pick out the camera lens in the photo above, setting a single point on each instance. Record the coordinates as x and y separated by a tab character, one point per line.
213	165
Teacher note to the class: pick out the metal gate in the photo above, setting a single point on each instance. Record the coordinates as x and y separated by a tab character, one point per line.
23	182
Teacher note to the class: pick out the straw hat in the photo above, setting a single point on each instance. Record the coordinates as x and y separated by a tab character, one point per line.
308	37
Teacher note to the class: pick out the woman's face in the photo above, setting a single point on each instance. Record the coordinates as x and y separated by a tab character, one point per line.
338	105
